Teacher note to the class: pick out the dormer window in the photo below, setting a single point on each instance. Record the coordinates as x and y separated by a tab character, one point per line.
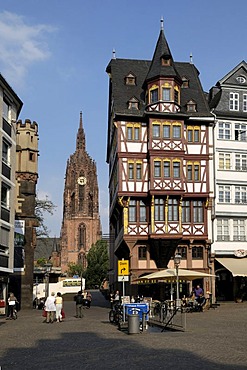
130	79
165	61
185	82
241	79
191	106
133	103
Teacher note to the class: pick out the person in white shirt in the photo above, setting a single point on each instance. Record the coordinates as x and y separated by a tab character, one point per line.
12	305
59	305
50	308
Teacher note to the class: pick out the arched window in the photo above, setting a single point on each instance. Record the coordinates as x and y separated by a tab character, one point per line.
82	236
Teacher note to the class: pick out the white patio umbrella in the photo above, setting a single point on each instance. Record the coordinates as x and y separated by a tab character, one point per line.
170	275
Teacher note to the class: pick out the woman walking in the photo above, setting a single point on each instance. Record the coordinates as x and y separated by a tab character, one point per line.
59	306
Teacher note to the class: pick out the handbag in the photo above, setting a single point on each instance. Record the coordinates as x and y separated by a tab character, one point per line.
44	313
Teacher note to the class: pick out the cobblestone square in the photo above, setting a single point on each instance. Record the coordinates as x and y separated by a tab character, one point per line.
214	339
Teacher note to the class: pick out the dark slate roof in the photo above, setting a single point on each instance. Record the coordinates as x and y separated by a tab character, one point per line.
45	247
119	69
156	68
121	93
194	91
219	94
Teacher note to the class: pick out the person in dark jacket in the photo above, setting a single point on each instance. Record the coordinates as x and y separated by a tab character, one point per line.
78	301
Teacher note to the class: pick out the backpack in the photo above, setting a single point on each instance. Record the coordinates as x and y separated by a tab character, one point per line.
79	299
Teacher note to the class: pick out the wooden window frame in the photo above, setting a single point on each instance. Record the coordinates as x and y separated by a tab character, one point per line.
197	253
142	253
156	167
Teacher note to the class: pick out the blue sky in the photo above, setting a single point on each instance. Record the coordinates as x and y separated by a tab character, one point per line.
54	54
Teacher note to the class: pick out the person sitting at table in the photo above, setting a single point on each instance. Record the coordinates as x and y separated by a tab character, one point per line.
199	294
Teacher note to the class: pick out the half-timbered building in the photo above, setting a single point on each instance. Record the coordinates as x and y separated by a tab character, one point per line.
159	154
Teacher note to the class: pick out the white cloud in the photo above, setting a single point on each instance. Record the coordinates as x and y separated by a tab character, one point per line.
21	45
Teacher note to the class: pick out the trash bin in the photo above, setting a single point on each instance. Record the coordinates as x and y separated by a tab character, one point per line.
133	323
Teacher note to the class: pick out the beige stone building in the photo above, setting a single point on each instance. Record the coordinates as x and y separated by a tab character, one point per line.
26	180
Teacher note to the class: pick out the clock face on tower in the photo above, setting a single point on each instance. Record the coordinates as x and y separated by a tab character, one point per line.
82	180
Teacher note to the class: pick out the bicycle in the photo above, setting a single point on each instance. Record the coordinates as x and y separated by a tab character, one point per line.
116	314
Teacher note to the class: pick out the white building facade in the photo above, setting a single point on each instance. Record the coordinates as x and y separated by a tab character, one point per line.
10	106
228	101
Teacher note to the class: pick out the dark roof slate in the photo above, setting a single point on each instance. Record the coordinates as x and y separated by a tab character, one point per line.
156	68
121	93
45	247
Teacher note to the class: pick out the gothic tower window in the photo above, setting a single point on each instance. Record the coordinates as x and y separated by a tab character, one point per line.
81	196
90	204
82	236
73	203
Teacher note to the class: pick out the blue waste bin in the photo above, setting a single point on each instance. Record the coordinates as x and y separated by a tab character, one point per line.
140	308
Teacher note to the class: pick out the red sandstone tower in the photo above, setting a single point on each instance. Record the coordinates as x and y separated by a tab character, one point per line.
81	225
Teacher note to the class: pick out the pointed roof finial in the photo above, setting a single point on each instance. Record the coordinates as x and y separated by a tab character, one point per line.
80	119
162	24
191	58
113	54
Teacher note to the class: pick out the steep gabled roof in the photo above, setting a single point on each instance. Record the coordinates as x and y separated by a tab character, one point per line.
157	68
241	68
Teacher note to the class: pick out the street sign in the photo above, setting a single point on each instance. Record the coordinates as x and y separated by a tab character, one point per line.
123	278
123	267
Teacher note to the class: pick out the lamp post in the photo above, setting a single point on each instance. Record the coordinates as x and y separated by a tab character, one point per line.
48	267
177	260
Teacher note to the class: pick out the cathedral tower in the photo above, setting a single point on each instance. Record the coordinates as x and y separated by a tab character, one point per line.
81	225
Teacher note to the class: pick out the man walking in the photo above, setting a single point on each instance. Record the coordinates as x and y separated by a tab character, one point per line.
50	308
78	301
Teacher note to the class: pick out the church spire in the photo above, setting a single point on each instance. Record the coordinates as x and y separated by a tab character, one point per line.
80	140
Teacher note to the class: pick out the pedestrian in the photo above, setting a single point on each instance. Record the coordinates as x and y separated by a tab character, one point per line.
78	301
50	308
59	306
12	300
111	298
116	298
89	299
198	293
199	297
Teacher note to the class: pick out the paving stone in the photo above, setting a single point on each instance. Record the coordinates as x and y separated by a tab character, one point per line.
214	339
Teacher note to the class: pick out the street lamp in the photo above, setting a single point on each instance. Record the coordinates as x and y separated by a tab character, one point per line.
177	260
48	267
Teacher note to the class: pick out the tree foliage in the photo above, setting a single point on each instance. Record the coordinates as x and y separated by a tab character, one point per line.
43	206
97	264
75	269
41	261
